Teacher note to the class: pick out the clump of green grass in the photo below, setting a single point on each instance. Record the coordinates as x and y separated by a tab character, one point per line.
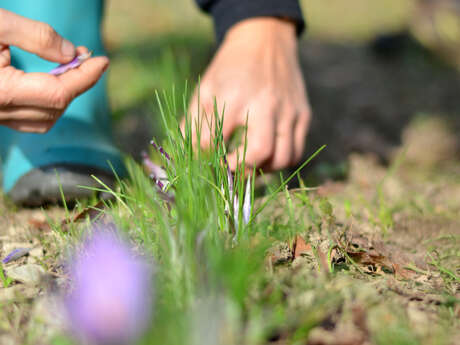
216	279
209	260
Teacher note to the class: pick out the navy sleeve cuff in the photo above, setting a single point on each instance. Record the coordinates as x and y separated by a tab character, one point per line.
226	13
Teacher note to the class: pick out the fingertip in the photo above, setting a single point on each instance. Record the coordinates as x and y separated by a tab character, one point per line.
85	76
102	60
182	125
82	50
98	64
205	139
68	50
232	161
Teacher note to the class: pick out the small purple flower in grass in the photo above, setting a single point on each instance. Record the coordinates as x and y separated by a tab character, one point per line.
16	254
158	174
110	299
160	149
155	171
71	65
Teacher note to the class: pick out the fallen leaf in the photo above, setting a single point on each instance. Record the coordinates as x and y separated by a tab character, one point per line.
402	272
301	247
91	212
38	224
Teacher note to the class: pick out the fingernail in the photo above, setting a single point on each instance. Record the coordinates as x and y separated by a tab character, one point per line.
67	49
105	67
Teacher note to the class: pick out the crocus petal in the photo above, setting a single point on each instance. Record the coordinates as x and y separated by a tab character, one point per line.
229	180
71	65
247	202
227	208
16	254
160	149
236	212
155	170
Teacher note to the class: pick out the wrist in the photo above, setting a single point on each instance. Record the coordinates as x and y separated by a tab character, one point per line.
261	29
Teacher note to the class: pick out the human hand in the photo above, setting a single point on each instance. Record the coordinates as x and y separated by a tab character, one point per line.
256	75
33	102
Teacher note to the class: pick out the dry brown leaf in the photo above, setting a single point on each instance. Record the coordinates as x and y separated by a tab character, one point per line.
401	272
38	224
301	247
91	212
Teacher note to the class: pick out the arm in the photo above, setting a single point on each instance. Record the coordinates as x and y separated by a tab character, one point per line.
227	13
256	71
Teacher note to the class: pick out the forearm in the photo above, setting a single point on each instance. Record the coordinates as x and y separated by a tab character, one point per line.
226	13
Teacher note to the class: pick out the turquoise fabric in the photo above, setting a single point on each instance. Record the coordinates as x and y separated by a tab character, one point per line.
83	134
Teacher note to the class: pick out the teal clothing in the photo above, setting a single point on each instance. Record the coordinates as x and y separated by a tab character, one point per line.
82	136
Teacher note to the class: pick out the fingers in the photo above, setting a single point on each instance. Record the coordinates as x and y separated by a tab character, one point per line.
300	134
47	91
203	120
35	37
260	142
5	56
274	144
29	114
283	153
290	139
81	79
38	127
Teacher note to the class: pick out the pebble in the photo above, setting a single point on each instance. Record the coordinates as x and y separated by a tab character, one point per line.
30	274
17	292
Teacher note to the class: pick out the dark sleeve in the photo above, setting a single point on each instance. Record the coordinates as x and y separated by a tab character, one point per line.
226	13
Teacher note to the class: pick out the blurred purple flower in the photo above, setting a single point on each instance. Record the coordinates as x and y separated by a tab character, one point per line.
71	65
110	299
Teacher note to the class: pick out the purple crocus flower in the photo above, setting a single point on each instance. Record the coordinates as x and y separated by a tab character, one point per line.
160	149
156	172
71	65
110	299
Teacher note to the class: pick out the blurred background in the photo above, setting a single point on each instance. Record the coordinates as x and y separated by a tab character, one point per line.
380	74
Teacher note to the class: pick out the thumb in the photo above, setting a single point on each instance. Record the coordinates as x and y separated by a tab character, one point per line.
35	37
5	56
